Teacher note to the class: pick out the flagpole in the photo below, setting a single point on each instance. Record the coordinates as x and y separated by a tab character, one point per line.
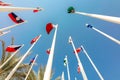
24	56
99	74
9	27
47	73
31	67
75	78
78	59
68	68
12	9
102	17
3	33
13	54
104	34
62	77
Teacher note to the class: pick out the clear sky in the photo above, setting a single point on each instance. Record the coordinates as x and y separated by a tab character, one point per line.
104	53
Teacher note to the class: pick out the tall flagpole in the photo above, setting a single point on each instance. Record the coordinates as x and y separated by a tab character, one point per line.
104	34
78	59
47	73
12	9
13	54
24	56
62	77
31	67
99	74
67	68
75	78
102	17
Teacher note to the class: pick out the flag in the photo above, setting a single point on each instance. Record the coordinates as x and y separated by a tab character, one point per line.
78	69
15	18
65	61
34	40
4	4
49	28
71	10
13	48
48	51
89	26
33	59
78	50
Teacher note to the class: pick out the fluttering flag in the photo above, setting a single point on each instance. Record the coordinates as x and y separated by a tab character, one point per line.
4	4
13	48
32	61
78	69
15	18
78	50
71	10
48	51
34	40
37	10
65	61
49	28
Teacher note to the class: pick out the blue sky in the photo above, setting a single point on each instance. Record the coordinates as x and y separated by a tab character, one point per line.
104	53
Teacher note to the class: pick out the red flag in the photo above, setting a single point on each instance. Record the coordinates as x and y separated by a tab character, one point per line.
15	18
36	10
78	69
48	51
4	4
32	61
49	27
78	50
13	48
34	40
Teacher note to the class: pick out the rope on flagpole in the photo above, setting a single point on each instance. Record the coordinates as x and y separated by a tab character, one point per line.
99	74
78	59
31	67
104	34
24	56
13	54
47	73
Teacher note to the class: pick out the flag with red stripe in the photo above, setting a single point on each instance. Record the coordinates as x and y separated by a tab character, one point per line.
78	50
13	48
49	28
48	51
4	4
15	18
34	40
32	60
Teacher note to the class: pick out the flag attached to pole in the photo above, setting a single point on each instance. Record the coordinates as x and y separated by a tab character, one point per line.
15	18
13	48
65	61
78	50
71	10
49	28
4	4
33	59
78	69
48	51
34	40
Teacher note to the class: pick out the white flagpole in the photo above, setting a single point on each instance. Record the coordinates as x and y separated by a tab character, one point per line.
9	27
78	59
5	32
31	67
47	73
24	56
106	35
62	77
12	9
13	54
99	74
67	68
102	17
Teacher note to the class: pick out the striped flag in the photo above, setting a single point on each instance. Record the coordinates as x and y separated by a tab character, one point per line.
15	18
34	39
12	48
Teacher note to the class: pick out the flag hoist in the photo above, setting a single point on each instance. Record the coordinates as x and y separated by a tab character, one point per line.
102	17
49	28
31	65
99	74
104	34
33	42
78	59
